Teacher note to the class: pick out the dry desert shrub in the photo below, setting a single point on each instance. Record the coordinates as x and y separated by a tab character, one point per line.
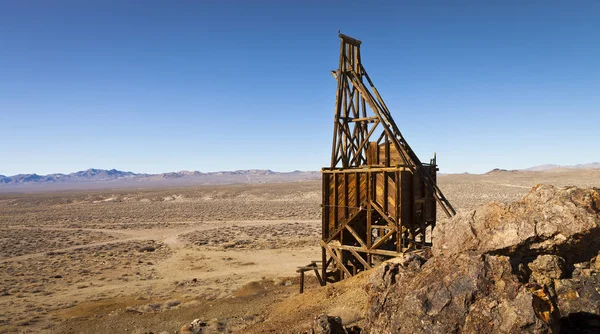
16	242
269	236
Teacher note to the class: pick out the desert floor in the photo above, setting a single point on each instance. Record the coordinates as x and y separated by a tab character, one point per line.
153	260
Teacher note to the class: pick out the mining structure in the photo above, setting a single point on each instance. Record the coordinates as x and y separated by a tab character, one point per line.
379	200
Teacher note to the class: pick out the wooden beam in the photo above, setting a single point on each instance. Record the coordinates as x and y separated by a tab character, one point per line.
398	211
356	236
384	238
350	40
368	251
390	221
335	258
366	139
400	168
371	119
341	227
360	259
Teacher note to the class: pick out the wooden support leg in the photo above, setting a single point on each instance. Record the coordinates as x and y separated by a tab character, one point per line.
321	280
301	281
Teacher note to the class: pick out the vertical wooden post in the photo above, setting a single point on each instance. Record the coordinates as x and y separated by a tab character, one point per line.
346	204
398	213
336	201
369	216
326	179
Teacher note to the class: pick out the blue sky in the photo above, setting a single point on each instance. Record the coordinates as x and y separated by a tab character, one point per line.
156	86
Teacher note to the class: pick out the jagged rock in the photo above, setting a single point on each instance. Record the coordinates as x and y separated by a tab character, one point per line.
460	293
546	268
525	267
548	220
324	324
596	262
578	300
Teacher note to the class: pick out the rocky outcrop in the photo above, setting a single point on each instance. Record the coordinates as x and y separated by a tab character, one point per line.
548	220
527	267
459	293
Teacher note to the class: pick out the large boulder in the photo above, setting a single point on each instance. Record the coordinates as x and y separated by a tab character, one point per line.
525	267
548	220
459	293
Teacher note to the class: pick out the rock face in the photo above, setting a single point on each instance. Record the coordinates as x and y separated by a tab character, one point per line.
527	267
548	220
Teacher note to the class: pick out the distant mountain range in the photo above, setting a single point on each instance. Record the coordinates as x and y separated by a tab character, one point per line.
541	168
90	175
101	178
549	167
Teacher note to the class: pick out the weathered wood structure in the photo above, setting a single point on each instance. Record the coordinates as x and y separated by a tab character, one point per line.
379	200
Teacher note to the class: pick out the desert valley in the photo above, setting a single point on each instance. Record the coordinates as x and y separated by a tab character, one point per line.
154	260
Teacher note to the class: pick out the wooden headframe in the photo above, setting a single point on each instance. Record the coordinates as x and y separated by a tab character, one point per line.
379	200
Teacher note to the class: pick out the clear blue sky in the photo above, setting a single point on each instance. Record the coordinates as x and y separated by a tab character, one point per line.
156	86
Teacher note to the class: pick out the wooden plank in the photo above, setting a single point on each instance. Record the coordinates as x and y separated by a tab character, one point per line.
357	189
325	207
363	188
356	236
351	192
379	189
336	259
387	151
406	195
332	202
350	40
385	193
365	141
391	193
364	169
360	259
371	119
397	213
390	221
342	226
321	280
345	197
335	196
384	238
368	251
369	210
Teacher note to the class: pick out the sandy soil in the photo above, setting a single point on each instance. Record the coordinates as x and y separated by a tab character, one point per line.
152	260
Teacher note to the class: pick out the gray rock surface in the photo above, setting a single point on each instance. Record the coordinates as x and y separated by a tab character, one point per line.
459	293
527	267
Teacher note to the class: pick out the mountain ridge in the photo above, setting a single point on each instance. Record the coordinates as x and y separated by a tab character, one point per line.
547	168
541	168
113	176
93	175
